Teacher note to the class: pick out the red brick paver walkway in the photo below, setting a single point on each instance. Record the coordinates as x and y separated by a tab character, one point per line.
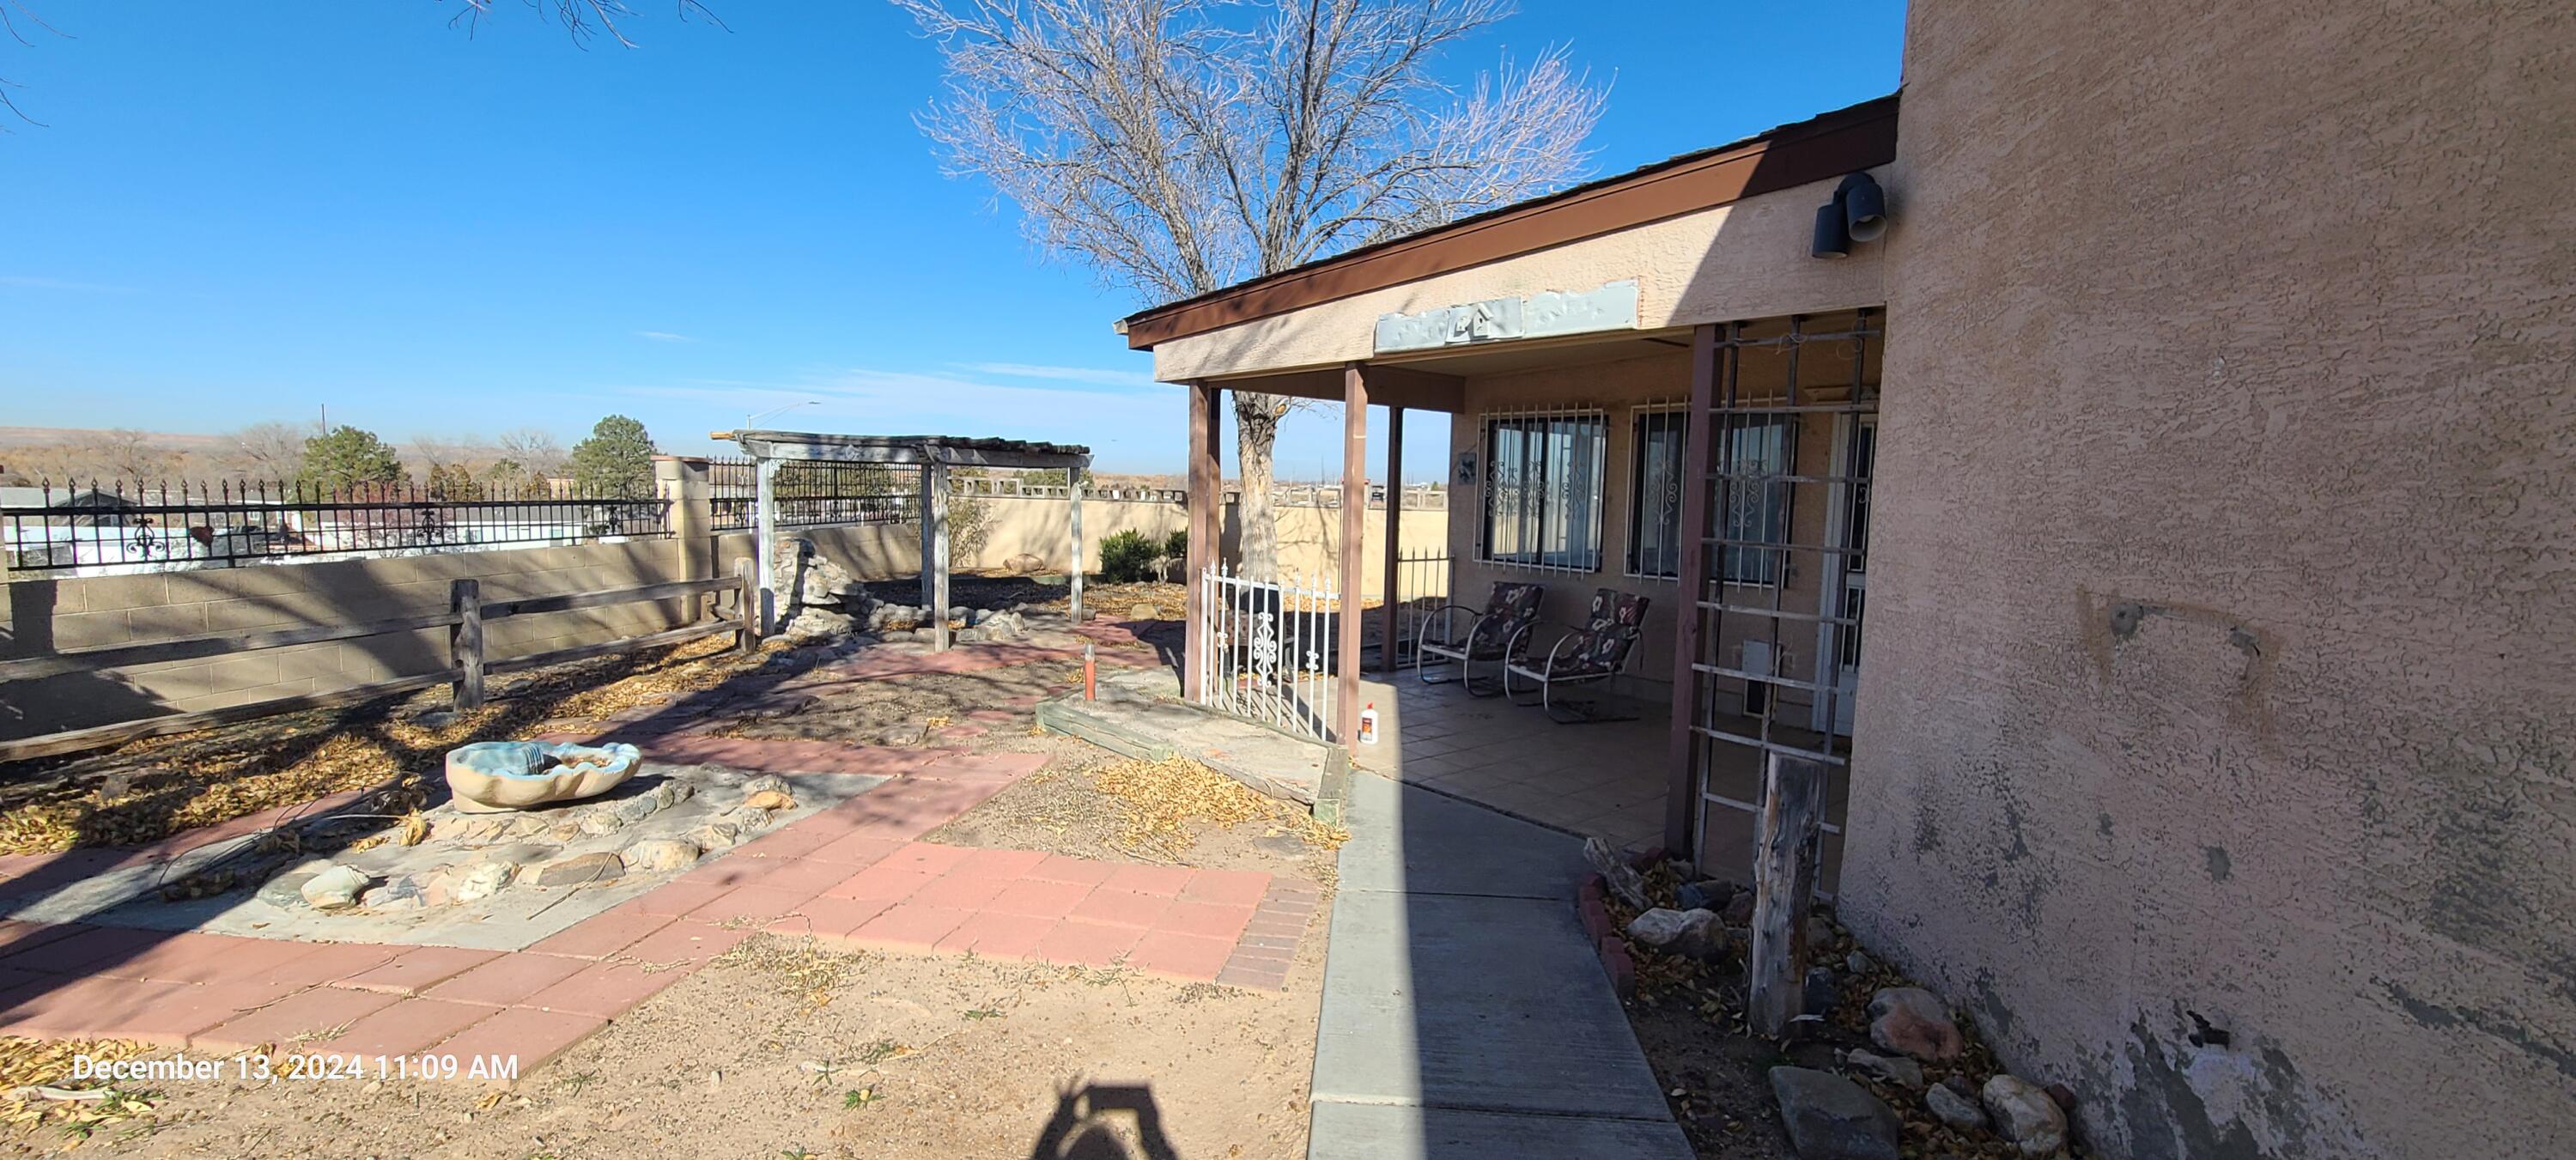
854	873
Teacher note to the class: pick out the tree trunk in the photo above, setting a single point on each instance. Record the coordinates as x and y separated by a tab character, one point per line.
1256	427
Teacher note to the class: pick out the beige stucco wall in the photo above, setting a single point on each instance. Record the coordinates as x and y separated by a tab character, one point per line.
1746	260
2225	568
43	616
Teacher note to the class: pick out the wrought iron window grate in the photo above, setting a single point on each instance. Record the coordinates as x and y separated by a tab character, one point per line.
1542	501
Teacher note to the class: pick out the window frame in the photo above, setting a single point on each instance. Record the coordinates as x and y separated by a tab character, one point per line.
1676	419
1588	513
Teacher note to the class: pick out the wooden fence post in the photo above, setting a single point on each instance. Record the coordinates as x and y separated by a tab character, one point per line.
746	634
1784	882
465	642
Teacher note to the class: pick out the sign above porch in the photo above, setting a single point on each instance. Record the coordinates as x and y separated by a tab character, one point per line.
1612	307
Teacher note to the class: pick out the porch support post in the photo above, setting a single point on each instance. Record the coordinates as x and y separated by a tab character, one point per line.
934	550
1681	799
1346	692
1205	512
1391	613
1073	515
764	545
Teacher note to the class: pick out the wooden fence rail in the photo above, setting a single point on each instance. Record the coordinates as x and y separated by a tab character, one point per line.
464	620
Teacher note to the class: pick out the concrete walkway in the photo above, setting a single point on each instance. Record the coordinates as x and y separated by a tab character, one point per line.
1465	1014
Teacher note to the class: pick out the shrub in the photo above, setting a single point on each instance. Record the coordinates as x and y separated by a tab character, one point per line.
1178	547
1128	556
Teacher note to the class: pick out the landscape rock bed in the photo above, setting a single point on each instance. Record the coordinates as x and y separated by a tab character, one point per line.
1884	1070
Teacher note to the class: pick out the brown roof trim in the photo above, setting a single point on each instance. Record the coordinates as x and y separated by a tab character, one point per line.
1828	145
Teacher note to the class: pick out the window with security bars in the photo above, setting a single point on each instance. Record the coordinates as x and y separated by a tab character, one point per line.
1754	453
1655	504
1543	490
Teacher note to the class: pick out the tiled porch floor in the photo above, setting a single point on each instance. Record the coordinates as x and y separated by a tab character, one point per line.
1605	780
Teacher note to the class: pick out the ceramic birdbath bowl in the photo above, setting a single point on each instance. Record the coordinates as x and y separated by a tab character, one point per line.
492	776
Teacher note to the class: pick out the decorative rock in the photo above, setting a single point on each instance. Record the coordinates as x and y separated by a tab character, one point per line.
2064	1095
1912	1021
492	776
815	624
521	853
1948	1105
471	828
970	636
285	890
744	818
335	888
1023	564
471	882
766	783
905	735
398	895
1820	991
1709	895
1903	1071
1832	1118
2025	1115
716	836
599	866
1691	933
631	810
770	799
659	855
1143	610
1858	965
1739	909
601	822
1820	933
1616	873
672	793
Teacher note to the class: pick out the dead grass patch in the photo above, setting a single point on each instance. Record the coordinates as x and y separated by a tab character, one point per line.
1162	802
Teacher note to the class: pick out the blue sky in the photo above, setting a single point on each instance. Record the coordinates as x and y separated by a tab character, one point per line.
242	213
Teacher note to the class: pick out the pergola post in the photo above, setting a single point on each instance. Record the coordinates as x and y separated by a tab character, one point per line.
1206	476
1391	612
1073	497
764	546
1346	687
934	550
1681	798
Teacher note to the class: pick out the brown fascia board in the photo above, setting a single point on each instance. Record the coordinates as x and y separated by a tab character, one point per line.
1862	136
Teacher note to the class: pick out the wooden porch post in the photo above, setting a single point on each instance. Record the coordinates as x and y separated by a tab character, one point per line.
1346	690
1206	477
1391	615
934	550
1681	799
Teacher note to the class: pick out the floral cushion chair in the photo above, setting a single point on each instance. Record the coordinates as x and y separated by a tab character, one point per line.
1597	651
1498	634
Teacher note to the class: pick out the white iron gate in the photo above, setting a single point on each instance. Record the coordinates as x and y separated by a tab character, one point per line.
1265	650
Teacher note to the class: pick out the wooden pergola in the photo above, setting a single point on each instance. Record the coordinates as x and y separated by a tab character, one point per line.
934	455
1355	386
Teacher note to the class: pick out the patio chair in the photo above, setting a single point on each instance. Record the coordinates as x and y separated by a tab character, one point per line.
1498	634
1598	651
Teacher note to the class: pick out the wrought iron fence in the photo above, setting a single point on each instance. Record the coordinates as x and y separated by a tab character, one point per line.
1265	650
106	528
811	493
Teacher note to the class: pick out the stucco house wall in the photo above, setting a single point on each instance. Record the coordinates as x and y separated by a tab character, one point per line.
1744	260
2224	565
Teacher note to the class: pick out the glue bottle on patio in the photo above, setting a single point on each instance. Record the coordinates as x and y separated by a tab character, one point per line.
1368	724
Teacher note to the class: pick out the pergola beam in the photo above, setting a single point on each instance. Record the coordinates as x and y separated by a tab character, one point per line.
1394	386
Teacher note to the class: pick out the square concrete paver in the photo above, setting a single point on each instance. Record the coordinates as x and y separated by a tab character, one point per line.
528	1037
909	927
1166	881
1121	907
1089	944
605	989
1188	956
684	942
410	1026
605	934
1038	898
998	935
1205	920
296	1021
752	904
1226	887
508	980
418	969
827	917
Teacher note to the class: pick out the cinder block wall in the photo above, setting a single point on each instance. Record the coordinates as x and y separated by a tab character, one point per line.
2221	597
44	616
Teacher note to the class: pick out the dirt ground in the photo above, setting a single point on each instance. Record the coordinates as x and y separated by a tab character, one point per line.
783	1048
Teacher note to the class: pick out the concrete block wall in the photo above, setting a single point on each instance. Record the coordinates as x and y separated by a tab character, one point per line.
46	616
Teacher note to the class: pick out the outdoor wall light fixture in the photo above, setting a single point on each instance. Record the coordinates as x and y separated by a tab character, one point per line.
1858	213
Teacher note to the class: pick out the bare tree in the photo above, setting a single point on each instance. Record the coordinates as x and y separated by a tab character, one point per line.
267	451
1178	146
535	452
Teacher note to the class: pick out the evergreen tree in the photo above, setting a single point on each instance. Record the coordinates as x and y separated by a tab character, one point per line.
345	458
617	459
